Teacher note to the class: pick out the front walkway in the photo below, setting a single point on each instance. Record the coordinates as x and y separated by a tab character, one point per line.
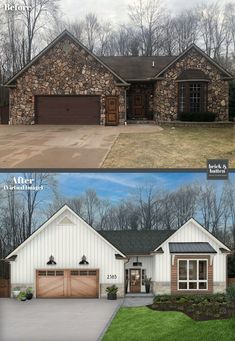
140	300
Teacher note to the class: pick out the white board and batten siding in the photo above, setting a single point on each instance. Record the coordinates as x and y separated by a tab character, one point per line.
190	232
67	238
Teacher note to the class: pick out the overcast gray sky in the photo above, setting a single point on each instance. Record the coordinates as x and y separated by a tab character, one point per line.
116	10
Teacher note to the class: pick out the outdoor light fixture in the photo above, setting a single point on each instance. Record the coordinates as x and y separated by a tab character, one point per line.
84	260
51	261
137	263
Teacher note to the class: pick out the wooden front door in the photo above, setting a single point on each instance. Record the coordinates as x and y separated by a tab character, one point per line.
111	111
67	283
137	106
135	280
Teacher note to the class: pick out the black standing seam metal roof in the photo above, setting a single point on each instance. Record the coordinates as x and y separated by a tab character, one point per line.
191	248
136	242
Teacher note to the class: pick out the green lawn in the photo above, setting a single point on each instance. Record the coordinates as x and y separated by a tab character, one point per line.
143	324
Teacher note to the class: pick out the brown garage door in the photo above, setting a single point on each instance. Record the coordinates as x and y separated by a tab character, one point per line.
68	110
67	283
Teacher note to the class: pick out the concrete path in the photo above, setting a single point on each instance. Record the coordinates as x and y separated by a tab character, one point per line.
48	146
137	301
55	319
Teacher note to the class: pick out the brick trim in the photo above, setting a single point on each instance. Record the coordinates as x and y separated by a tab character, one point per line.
174	269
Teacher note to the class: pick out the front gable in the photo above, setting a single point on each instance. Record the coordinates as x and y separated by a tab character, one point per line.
64	230
192	232
64	56
192	59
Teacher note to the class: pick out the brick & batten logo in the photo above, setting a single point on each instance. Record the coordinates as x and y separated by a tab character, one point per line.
15	7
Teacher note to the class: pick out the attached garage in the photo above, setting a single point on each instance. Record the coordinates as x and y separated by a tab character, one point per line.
68	110
67	283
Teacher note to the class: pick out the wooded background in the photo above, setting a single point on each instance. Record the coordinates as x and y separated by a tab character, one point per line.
152	29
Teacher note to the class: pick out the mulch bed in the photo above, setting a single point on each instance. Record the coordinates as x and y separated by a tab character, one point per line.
205	308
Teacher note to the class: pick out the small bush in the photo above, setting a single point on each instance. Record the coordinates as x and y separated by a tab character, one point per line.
230	292
197	116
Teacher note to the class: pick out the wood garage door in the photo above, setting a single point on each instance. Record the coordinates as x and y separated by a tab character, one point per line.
67	283
68	110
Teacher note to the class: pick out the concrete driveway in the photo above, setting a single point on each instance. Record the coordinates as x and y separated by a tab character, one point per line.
55	319
48	146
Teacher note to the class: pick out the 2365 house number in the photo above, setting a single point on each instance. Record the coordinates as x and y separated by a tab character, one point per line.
111	276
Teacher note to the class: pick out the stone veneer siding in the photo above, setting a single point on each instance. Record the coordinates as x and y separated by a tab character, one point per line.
166	90
65	69
174	286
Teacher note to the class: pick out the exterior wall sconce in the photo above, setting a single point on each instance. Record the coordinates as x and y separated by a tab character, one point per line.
83	261
51	261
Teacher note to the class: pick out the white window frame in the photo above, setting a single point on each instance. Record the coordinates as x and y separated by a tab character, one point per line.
192	280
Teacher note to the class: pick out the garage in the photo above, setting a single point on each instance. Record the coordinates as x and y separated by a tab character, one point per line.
67	283
82	110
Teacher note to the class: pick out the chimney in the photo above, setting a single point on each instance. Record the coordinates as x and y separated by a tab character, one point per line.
153	65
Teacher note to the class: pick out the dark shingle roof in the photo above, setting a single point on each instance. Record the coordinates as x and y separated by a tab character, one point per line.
130	67
191	248
136	242
193	74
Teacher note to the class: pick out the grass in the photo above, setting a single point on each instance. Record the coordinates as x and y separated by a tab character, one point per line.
144	324
182	147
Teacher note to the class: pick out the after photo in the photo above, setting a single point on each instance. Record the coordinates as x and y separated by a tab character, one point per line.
147	251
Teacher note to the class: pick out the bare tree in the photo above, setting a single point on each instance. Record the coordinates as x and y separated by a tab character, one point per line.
147	16
35	16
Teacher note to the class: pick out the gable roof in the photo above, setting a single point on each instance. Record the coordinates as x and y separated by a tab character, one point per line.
65	33
209	234
137	67
53	217
136	242
225	74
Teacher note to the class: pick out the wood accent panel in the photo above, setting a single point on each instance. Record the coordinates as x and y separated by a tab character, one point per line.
73	283
4	287
4	115
81	110
112	110
174	288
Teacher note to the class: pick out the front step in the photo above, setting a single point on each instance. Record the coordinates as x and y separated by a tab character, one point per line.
141	122
139	294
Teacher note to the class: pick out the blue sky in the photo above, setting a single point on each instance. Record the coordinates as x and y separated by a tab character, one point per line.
116	186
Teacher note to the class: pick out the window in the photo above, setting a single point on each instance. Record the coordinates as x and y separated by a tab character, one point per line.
192	97
192	274
143	275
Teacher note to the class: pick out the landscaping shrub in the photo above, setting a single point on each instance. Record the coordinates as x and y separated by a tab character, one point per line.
199	307
230	292
197	116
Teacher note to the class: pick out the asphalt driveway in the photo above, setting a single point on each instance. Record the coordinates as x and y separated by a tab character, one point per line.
55	319
48	146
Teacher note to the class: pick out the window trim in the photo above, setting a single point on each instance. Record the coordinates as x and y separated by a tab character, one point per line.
192	280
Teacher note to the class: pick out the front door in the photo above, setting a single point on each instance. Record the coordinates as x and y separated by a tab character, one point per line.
138	107
112	105
135	278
